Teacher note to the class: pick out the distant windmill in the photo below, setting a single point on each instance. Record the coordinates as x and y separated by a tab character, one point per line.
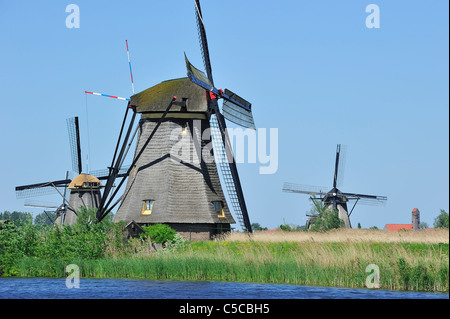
84	188
334	197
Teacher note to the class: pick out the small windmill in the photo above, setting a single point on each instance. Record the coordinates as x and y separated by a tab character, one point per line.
334	197
84	188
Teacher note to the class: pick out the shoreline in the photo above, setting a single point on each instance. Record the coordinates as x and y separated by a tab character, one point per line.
403	266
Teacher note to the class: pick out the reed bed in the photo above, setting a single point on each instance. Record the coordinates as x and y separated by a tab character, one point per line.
403	265
429	236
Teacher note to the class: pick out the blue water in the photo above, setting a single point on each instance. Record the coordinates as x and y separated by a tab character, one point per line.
46	288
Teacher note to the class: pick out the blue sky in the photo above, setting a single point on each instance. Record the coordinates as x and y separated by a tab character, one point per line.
312	69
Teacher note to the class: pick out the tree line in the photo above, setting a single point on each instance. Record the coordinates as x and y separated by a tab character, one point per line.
20	218
325	219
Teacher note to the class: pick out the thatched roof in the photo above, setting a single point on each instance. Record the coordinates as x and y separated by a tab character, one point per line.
85	181
158	97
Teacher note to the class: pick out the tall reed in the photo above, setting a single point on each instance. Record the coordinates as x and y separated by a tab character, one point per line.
405	266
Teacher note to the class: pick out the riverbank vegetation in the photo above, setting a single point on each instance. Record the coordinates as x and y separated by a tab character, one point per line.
407	260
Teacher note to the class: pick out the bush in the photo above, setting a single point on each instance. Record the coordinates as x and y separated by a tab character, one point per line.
10	253
327	220
441	221
159	233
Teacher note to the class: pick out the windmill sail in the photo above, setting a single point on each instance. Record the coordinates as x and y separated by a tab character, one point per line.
34	192
370	200
39	204
235	109
221	160
40	189
73	128
199	78
197	74
103	173
304	189
235	113
214	108
341	153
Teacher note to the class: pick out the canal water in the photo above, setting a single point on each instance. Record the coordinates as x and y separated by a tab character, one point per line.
49	288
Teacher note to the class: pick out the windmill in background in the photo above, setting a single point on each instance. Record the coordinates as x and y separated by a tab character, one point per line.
336	198
84	188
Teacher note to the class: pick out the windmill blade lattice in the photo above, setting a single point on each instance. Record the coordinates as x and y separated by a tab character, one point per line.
342	149
304	189
40	204
73	128
237	114
222	161
370	200
207	83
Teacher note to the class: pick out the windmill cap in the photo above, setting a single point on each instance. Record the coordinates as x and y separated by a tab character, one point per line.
85	181
156	98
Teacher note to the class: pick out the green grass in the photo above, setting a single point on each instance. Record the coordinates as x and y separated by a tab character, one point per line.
403	266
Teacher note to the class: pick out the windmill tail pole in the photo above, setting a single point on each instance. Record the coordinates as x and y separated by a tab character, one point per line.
129	64
107	95
106	209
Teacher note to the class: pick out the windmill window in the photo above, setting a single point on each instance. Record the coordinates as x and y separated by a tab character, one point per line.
147	207
218	207
184	130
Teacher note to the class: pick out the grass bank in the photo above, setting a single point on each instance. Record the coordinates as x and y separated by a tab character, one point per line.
403	265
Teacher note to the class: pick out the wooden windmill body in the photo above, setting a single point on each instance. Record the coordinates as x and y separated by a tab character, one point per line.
84	193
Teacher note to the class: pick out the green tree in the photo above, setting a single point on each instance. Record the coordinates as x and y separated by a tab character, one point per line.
257	226
10	252
326	218
159	233
423	225
86	216
45	218
18	218
441	221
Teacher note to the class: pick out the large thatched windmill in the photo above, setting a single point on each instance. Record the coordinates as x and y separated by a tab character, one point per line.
174	178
